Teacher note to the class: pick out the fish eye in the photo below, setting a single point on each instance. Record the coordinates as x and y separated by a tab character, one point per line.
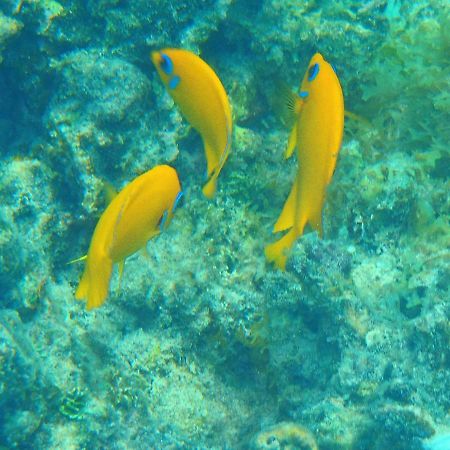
313	71
166	64
179	200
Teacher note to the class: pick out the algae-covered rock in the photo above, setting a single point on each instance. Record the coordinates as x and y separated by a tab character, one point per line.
8	28
26	217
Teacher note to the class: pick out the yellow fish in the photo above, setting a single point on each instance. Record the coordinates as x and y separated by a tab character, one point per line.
317	135
197	90
138	213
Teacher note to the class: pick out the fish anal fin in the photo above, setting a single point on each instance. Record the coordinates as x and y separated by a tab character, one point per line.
94	283
278	252
287	216
83	286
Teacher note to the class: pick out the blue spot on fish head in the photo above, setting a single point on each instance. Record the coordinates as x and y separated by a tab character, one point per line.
166	64
313	71
174	82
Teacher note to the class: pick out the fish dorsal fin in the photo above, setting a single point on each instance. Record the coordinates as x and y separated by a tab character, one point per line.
287	216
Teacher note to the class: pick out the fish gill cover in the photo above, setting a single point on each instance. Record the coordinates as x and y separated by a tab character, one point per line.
204	345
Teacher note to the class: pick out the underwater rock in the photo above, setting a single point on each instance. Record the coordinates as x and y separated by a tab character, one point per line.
285	436
8	28
19	377
26	213
97	121
405	425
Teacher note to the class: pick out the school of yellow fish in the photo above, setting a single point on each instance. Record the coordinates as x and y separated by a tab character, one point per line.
146	206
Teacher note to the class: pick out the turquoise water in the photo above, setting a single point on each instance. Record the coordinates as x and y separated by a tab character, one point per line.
204	344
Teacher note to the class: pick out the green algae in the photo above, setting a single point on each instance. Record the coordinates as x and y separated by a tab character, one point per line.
72	404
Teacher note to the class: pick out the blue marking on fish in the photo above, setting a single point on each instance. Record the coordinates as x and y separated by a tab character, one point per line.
174	82
166	64
162	223
177	200
313	71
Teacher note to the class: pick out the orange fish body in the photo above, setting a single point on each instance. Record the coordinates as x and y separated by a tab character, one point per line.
317	135
134	216
202	99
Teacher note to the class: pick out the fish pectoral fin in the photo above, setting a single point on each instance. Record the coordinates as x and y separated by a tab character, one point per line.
358	118
287	216
292	142
285	103
81	258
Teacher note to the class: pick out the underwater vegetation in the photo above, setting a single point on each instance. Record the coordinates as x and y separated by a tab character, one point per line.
203	344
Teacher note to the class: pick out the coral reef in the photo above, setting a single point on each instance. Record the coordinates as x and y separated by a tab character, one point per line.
203	345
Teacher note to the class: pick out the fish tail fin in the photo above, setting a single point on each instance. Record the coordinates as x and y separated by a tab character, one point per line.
94	283
83	286
277	252
212	160
287	216
209	189
215	164
315	221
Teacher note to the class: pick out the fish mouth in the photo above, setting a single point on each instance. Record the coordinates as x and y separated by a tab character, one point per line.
155	56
